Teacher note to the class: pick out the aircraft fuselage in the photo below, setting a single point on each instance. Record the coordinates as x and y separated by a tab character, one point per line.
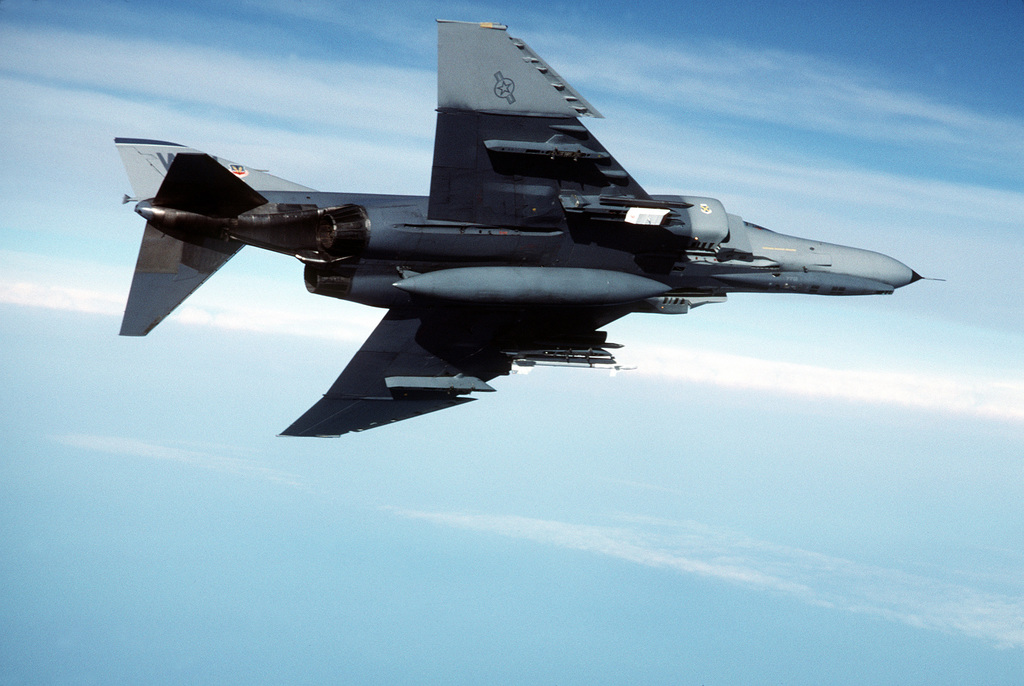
749	259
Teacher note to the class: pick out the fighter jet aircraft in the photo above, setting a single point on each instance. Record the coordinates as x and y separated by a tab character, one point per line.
532	239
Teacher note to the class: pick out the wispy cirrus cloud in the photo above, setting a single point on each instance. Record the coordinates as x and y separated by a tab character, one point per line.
378	118
66	285
204	459
999	398
211	313
793	91
52	297
790	89
796	92
297	91
694	549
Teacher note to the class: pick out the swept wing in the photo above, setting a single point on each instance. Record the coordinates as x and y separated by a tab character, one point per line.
425	359
494	92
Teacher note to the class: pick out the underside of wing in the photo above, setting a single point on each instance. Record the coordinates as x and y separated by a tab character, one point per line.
424	360
334	416
407	367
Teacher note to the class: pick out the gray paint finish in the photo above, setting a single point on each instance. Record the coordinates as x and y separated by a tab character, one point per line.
532	239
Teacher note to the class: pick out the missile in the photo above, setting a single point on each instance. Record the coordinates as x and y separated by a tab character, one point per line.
532	286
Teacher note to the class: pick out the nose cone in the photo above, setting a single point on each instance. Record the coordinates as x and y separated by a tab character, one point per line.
896	273
875	266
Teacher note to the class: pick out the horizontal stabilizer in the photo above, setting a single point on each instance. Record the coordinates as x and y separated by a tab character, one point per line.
167	272
196	182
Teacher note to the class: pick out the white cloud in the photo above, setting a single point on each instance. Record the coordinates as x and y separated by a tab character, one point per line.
307	322
379	119
791	90
694	549
794	91
892	197
995	398
298	91
37	281
60	298
207	312
117	445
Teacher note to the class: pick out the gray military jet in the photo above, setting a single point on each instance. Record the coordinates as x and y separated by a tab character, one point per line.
532	239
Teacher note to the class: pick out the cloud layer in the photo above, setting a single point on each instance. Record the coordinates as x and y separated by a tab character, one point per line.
797	91
991	397
694	549
1001	399
130	447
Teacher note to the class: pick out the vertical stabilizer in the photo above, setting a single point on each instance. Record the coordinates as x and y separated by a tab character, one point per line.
147	162
169	269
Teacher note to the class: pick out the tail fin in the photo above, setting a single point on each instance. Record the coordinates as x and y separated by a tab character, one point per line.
147	162
169	269
197	183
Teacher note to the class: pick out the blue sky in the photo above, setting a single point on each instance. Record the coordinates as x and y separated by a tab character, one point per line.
801	490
